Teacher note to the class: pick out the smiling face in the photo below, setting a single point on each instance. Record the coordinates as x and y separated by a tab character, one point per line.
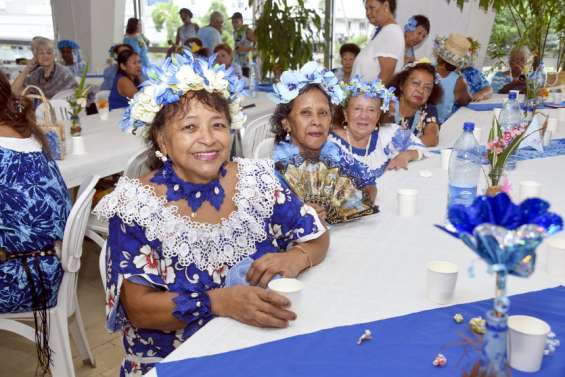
309	121
414	38
418	87
196	142
362	115
45	56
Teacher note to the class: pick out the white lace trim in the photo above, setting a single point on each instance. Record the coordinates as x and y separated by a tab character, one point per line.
27	145
208	246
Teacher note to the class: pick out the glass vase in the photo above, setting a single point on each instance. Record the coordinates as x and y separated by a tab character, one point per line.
494	177
494	358
75	126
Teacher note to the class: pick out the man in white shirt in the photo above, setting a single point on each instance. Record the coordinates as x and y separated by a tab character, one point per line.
211	35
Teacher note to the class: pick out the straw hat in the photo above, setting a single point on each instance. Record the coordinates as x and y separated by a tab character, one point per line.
455	49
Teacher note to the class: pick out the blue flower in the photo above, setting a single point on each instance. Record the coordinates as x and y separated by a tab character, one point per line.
410	25
373	89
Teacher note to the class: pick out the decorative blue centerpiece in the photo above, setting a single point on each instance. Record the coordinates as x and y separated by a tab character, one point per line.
504	235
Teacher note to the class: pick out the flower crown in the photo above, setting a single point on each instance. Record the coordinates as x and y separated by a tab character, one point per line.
178	75
410	25
437	77
373	89
292	82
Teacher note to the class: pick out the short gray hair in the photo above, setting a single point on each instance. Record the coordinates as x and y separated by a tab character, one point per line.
520	50
41	42
216	16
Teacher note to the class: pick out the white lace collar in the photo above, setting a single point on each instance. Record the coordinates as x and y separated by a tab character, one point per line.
26	145
208	246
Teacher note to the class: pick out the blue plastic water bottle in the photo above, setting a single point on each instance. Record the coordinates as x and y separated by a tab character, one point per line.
464	168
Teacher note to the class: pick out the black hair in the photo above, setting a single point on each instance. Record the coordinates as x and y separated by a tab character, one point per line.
391	5
131	26
349	47
400	78
283	110
422	21
186	10
448	66
123	58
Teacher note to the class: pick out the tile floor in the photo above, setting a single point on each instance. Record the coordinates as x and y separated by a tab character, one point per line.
18	354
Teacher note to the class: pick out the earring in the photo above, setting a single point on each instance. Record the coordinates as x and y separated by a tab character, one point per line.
161	156
287	138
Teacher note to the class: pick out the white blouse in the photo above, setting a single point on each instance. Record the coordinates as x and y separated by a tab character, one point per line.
388	43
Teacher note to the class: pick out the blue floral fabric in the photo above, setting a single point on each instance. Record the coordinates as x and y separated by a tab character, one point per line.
34	205
475	80
134	254
499	80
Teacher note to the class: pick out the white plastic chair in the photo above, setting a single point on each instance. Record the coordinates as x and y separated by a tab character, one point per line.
255	132
102	263
67	301
265	149
64	94
61	109
97	229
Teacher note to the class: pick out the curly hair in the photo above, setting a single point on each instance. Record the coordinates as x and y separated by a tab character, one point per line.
349	47
178	110
283	110
400	79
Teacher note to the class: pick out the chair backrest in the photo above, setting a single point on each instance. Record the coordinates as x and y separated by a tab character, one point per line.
64	94
255	132
138	165
71	249
61	108
102	263
265	149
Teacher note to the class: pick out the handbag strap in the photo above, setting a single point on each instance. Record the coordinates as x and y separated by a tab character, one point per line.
45	105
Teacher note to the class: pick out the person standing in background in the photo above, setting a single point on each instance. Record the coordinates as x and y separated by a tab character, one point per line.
384	54
135	38
70	53
348	52
244	40
211	35
188	28
417	28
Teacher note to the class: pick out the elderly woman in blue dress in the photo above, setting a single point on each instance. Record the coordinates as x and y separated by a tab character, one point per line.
380	148
34	205
200	236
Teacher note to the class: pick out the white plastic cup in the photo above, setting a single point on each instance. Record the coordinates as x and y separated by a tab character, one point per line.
445	156
556	97
104	113
477	131
78	145
526	342
289	288
556	258
529	189
407	199
441	280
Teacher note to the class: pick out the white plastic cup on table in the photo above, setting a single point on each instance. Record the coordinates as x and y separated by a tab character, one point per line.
445	155
556	97
407	200
441	281
529	189
78	145
556	258
104	113
289	288
526	342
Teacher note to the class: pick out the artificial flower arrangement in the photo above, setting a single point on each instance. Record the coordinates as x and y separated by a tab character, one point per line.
78	103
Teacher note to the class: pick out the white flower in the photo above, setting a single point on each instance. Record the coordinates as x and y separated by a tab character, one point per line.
81	102
148	260
144	106
216	82
188	79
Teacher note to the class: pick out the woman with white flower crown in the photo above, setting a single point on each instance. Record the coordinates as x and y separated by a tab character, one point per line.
381	148
301	122
200	236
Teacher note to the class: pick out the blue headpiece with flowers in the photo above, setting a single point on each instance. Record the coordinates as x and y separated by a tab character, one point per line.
410	25
292	82
370	89
178	75
68	43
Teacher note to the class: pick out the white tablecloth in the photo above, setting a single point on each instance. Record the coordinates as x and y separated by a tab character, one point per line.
107	149
375	267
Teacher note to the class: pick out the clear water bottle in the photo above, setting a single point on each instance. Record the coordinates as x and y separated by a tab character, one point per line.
511	115
464	168
253	79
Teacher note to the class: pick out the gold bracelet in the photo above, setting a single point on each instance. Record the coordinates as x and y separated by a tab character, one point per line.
305	253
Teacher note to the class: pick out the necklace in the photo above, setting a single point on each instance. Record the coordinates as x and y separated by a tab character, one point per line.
351	148
195	194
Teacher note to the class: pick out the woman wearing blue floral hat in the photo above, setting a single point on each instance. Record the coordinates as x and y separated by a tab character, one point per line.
199	236
380	148
70	53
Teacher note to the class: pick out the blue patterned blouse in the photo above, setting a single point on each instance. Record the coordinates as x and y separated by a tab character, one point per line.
34	205
475	79
499	80
151	244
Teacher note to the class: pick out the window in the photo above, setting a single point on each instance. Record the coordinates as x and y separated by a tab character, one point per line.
23	20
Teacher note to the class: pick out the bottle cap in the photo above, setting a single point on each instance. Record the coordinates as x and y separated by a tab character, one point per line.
468	126
512	95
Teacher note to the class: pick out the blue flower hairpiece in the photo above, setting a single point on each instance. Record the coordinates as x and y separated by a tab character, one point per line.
373	89
178	75
68	43
292	82
410	25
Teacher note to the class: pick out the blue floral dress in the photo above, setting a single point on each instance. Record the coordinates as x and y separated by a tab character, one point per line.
34	205
500	80
386	142
150	243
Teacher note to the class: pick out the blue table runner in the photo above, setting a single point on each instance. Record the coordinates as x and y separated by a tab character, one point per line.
491	106
401	346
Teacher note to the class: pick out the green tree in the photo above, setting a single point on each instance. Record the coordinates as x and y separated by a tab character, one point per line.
166	16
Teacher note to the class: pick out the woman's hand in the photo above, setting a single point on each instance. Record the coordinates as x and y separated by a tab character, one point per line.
321	211
287	263
399	162
251	305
